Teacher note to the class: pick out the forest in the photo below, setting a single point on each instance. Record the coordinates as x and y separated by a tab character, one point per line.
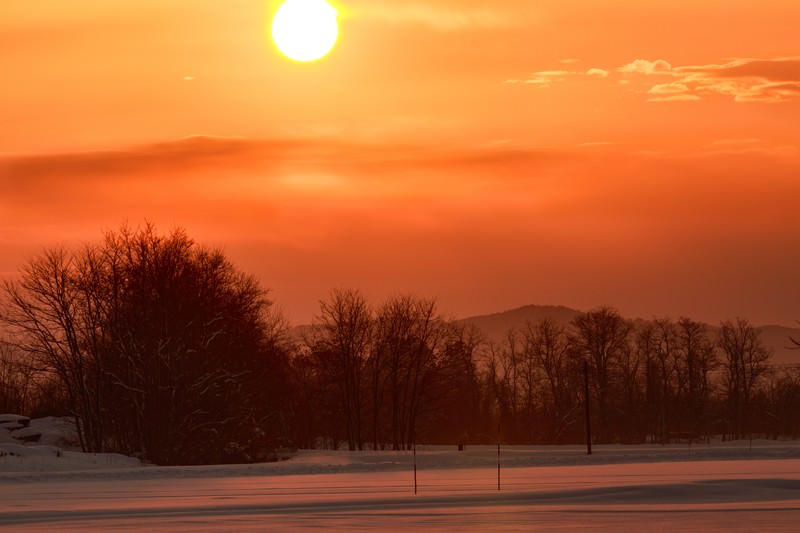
161	348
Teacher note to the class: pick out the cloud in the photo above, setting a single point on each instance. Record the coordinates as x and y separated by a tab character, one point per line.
544	78
547	77
600	73
643	66
675	98
767	92
551	73
777	70
187	154
669	88
33	179
745	80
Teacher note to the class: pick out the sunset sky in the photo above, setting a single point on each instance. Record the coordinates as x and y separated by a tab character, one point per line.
641	154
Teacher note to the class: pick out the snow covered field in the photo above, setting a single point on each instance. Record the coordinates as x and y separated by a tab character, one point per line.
720	487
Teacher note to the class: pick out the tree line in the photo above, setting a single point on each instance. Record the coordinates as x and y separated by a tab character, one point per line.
160	348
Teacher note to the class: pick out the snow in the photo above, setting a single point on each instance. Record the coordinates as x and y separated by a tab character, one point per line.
5	436
54	451
12	422
56	432
11	418
731	495
732	486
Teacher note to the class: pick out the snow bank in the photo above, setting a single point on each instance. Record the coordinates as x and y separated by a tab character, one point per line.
5	436
13	422
56	431
48	445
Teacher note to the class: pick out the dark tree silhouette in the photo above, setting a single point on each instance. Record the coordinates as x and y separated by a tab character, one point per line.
17	380
506	376
51	314
342	342
602	337
698	359
745	365
408	342
163	347
457	412
547	348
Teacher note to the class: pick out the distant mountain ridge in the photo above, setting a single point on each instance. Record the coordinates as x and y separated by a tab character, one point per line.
495	326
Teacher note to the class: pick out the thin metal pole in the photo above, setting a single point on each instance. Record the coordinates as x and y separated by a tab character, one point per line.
498	456
588	409
415	467
498	465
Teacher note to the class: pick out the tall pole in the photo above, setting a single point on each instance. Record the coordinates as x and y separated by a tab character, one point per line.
588	410
415	466
498	463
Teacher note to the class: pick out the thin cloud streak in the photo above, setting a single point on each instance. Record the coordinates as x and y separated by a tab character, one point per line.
581	227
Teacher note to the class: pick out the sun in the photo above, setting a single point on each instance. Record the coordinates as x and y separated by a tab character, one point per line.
305	30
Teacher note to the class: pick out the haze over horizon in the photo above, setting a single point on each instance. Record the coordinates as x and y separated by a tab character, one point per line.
639	155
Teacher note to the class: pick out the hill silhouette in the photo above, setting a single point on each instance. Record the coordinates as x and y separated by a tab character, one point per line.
495	326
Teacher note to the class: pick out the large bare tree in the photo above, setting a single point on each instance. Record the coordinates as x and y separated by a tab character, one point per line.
342	341
162	346
547	351
745	363
602	338
409	339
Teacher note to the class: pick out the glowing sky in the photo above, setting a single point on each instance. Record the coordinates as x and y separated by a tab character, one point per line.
640	154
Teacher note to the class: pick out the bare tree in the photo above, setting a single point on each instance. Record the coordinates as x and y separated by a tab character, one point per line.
344	338
698	360
409	338
457	394
546	347
513	380
162	346
783	417
17	380
663	355
602	338
44	311
313	416
745	365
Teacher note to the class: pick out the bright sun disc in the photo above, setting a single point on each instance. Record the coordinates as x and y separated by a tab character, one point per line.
305	30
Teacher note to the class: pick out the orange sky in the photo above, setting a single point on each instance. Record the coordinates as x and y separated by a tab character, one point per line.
640	154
